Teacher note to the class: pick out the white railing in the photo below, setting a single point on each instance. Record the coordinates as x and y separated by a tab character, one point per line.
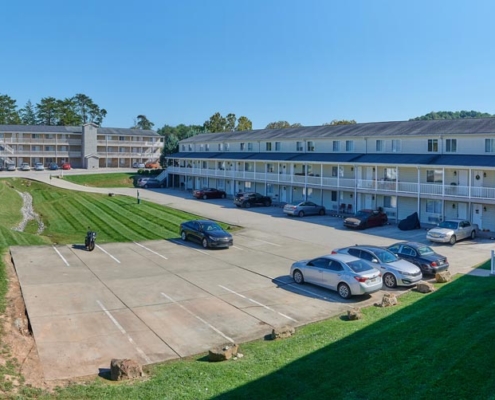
6	147
407	187
431	188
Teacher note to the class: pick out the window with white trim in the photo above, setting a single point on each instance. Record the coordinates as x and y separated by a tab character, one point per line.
349	145
311	146
379	147
242	146
277	146
220	146
434	206
396	145
268	146
299	146
434	176
250	147
432	145
489	145
336	145
207	147
451	145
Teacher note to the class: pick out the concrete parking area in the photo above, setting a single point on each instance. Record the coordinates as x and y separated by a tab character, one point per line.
160	300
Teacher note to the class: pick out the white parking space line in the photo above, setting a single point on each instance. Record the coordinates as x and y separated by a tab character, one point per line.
107	253
259	240
257	302
314	294
192	248
121	329
198	317
151	251
238	248
61	256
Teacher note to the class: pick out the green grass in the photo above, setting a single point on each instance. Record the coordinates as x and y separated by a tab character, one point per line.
485	265
121	179
438	345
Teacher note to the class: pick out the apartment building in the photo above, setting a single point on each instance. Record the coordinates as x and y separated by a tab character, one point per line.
440	169
87	146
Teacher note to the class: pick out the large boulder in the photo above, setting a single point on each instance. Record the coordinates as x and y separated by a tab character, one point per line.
223	353
283	332
121	369
443	276
354	313
388	300
425	287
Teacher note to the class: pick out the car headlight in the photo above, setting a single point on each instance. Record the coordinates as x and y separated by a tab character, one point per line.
408	273
214	239
357	222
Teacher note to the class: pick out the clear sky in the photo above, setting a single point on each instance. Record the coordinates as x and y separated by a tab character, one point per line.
307	61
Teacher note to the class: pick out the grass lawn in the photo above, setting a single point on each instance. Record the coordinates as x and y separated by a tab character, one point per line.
438	345
485	265
120	179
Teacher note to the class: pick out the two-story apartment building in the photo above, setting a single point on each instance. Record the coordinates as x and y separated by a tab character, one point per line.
440	169
87	146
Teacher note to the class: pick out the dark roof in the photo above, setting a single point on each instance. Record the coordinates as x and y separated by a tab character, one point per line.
372	159
393	128
75	129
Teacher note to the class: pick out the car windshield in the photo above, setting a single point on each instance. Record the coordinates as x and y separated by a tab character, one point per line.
359	266
295	203
423	250
211	226
362	213
448	225
385	256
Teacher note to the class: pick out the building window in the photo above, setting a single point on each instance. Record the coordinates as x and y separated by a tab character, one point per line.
207	146
337	171
221	165
268	146
201	147
183	147
311	146
205	165
395	146
432	145
336	145
379	146
390	174
434	206
277	146
247	185
220	146
489	145
121	138
349	145
299	146
390	201
189	147
451	145
243	145
269	167
250	147
334	195
434	176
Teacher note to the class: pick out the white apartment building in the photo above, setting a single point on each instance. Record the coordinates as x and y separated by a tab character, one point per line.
440	169
87	146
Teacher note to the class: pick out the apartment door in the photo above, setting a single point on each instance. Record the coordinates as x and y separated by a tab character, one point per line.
462	210
283	194
368	201
228	188
478	215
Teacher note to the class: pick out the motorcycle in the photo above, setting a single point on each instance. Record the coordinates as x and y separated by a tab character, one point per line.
90	240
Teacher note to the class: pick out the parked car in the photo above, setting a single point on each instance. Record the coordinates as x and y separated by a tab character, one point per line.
25	167
208	233
66	166
2	167
137	165
249	199
346	274
153	183
421	255
452	230
209	193
366	218
302	208
11	167
53	166
396	272
152	164
141	181
39	166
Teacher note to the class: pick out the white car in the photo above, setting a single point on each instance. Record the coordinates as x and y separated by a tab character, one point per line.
39	166
138	165
25	167
452	230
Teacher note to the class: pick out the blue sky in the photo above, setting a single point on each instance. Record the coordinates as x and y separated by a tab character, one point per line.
307	61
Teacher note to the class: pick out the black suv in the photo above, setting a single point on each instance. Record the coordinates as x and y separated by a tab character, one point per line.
249	199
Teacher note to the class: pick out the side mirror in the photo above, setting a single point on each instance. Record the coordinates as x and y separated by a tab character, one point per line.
374	260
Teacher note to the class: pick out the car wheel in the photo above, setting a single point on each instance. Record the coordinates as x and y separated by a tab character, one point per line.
223	196
145	186
300	214
322	211
238	206
389	280
205	243
247	204
267	203
344	291
183	236
205	197
298	277
473	235
452	240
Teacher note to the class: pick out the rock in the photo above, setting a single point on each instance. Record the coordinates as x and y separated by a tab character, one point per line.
354	313
223	353
121	369
283	332
425	287
443	276
388	300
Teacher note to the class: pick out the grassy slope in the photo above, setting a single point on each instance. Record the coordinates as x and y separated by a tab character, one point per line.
121	179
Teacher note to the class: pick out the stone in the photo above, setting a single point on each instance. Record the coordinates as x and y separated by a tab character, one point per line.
122	369
354	314
388	300
223	353
425	287
443	276
283	332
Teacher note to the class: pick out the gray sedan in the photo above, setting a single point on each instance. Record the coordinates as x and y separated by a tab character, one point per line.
396	272
302	208
341	272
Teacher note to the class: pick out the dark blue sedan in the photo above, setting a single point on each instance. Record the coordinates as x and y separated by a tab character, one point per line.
208	233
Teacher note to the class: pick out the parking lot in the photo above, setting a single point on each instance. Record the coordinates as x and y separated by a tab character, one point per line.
160	300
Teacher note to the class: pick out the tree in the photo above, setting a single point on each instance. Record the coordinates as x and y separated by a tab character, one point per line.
8	111
66	114
143	123
230	121
244	124
27	114
46	111
341	122
452	115
216	123
282	125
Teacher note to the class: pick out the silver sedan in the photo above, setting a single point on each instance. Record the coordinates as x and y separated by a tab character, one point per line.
302	208
346	274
